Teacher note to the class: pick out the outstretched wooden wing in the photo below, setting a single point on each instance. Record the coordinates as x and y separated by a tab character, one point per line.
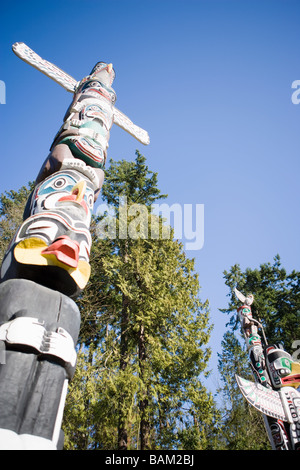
266	401
69	83
52	71
125	123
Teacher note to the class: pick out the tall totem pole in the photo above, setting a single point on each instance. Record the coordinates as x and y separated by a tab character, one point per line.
46	265
277	378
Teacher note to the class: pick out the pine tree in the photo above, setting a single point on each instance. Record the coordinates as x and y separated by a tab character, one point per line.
143	317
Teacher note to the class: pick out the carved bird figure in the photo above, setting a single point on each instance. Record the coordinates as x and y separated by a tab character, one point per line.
245	300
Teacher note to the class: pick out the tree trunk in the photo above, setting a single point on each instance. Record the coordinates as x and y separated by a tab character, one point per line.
122	430
143	405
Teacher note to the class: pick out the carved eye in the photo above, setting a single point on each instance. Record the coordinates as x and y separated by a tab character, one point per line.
90	201
94	84
60	183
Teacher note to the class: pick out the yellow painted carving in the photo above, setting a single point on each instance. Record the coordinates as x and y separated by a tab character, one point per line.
29	251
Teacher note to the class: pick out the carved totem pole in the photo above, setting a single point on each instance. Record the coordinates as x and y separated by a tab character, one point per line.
277	378
46	265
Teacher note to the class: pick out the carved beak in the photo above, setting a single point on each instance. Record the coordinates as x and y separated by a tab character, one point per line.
77	194
79	190
109	67
65	250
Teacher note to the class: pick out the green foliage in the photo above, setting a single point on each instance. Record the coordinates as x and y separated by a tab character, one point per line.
277	306
242	426
12	204
132	179
142	349
143	318
277	299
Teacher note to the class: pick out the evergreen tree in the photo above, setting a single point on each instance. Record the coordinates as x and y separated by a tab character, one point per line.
12	204
142	350
147	328
242	426
276	300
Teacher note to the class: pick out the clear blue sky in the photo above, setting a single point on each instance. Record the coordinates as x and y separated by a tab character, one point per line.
210	81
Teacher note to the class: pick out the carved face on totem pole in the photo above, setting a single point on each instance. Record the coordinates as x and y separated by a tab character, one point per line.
54	241
88	121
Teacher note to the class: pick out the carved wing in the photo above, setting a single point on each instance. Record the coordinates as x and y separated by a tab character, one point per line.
69	83
59	76
263	399
239	295
127	125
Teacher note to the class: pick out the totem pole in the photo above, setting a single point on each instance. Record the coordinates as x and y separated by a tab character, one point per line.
277	377
46	265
